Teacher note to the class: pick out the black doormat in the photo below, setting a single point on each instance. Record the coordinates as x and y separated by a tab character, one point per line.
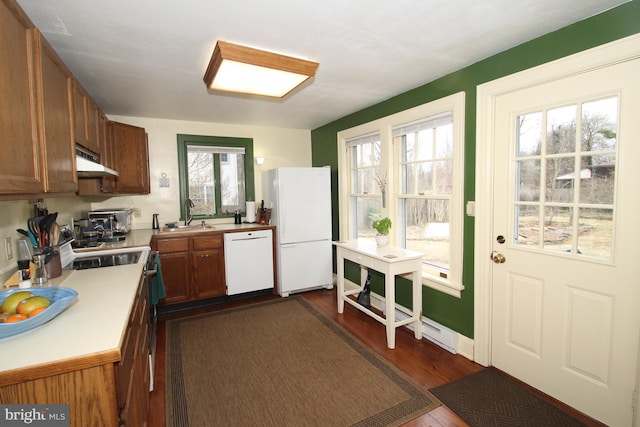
491	399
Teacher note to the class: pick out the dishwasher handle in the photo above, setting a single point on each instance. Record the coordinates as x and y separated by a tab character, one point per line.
248	238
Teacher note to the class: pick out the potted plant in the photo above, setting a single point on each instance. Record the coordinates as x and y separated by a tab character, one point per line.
382	226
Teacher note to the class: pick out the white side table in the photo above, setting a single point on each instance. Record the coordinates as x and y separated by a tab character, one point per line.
391	261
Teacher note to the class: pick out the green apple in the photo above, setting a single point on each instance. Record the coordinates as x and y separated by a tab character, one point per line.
26	306
11	302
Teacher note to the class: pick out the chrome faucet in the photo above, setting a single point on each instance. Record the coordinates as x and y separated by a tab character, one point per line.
188	204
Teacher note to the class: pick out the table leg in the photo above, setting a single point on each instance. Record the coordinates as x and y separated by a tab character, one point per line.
340	279
417	304
390	306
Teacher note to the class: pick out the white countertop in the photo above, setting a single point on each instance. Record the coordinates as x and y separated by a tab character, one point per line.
94	323
384	253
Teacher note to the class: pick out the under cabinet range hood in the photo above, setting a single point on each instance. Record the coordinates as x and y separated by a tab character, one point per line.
88	166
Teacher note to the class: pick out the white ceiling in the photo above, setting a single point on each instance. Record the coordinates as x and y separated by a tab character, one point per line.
147	57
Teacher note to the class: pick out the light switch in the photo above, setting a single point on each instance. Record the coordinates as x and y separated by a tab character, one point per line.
471	208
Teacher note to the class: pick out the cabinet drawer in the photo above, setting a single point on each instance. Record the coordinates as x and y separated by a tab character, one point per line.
207	242
172	245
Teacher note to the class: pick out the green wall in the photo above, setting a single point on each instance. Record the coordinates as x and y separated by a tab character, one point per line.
457	313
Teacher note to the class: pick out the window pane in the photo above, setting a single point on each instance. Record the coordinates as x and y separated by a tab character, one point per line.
365	211
232	182
528	180
560	179
365	161
424	148
201	182
558	228
527	224
561	130
444	142
418	178
595	233
598	183
529	134
444	177
600	124
427	230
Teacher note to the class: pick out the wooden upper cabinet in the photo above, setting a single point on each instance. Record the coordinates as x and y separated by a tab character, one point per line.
85	114
131	158
108	183
55	123
19	164
92	114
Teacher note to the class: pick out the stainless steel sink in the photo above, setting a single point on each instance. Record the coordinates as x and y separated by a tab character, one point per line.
187	228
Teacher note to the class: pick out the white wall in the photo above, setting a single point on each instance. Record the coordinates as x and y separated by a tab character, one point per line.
278	146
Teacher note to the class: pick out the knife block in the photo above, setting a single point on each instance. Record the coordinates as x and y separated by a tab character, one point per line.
264	217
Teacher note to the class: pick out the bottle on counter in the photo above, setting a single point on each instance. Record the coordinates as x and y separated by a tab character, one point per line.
156	225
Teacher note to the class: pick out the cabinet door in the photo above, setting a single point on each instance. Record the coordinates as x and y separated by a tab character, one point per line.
79	126
56	132
19	163
108	183
91	123
207	274
131	158
175	273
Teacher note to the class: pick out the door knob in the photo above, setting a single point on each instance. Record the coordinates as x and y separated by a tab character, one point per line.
498	258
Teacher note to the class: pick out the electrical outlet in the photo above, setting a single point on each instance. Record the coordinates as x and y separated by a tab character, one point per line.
8	248
136	212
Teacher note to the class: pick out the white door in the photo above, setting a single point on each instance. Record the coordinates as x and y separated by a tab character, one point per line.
565	301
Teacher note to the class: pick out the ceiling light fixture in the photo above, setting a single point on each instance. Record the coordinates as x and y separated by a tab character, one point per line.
236	68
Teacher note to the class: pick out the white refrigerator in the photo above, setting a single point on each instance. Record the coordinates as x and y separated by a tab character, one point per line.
300	201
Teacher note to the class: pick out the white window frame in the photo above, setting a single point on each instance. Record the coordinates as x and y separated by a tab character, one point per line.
390	166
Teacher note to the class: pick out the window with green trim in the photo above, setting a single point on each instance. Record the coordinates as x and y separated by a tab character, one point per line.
216	175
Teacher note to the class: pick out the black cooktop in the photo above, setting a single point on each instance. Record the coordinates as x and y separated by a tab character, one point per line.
106	260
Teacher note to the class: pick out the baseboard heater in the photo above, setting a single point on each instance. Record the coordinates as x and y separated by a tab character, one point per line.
434	332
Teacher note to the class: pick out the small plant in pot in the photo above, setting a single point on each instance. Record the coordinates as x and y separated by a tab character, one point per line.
382	226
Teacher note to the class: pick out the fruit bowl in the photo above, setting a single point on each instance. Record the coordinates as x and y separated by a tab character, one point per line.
60	299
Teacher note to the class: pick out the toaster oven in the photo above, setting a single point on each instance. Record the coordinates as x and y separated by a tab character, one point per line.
118	221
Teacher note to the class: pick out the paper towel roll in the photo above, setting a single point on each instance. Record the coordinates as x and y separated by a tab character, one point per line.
251	211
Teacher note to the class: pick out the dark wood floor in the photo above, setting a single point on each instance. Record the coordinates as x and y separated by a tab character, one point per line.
425	362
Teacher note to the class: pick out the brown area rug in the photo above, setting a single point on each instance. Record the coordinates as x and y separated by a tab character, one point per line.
491	399
281	363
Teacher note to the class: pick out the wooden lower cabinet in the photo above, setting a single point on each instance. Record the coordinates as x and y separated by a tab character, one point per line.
133	372
174	259
109	394
192	267
207	259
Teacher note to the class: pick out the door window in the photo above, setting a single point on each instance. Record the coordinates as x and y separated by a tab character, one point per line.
565	174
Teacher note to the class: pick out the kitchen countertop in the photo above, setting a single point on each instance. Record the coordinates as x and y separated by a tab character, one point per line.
215	228
87	333
90	331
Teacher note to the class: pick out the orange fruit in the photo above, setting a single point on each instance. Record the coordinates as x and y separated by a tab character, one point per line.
37	311
15	318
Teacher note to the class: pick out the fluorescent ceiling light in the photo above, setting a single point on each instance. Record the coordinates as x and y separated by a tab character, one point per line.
235	68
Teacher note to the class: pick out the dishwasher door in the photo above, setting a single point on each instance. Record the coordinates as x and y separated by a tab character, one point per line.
248	260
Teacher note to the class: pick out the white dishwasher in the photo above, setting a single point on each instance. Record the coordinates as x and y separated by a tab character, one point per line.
248	261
